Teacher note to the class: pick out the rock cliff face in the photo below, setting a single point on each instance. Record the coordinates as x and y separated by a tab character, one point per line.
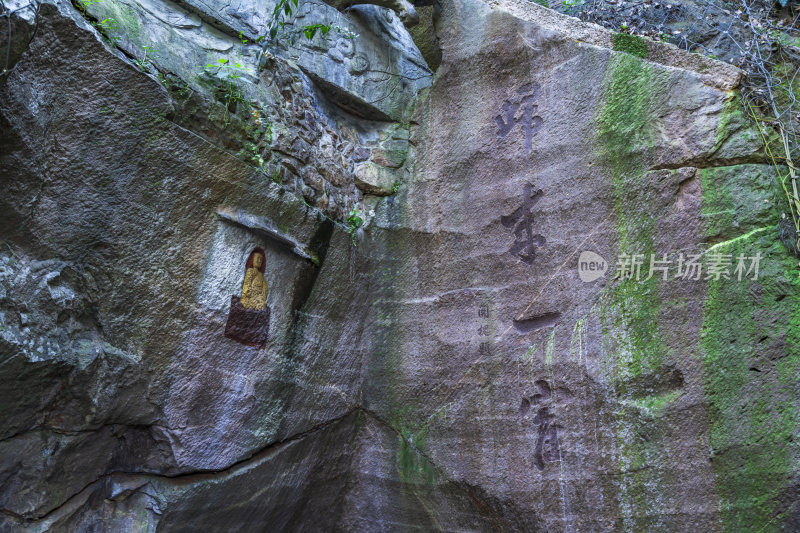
465	361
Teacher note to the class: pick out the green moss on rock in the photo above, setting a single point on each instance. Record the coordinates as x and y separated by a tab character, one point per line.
624	133
631	309
751	353
632	44
737	199
412	466
751	395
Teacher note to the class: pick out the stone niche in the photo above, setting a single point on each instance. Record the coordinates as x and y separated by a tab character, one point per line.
288	270
217	386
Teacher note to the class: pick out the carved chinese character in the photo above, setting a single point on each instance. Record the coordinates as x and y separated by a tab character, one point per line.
520	111
546	450
544	402
525	240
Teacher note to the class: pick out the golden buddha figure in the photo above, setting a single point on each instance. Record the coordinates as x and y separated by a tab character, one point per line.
254	288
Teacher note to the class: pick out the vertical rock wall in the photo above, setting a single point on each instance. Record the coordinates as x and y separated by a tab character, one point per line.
454	365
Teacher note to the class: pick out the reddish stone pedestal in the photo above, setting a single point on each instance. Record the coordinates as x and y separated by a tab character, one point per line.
247	326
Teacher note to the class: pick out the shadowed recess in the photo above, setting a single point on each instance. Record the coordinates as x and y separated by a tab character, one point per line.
527	325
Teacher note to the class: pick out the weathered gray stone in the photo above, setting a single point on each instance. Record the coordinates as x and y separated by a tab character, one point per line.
122	315
404	9
375	75
443	367
375	179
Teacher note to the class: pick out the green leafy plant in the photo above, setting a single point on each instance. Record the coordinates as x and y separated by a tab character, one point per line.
145	62
108	28
311	30
230	93
175	85
277	22
572	6
282	13
253	153
354	221
83	5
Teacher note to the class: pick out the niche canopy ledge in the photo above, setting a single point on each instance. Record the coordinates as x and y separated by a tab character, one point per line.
267	228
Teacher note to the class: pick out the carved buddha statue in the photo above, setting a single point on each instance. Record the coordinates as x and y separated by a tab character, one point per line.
254	288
